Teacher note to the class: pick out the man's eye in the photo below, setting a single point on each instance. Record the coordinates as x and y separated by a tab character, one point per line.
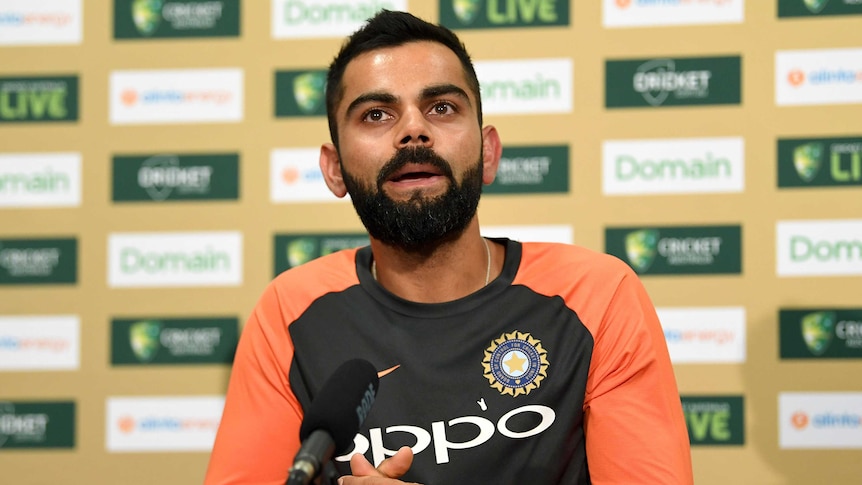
443	109
376	115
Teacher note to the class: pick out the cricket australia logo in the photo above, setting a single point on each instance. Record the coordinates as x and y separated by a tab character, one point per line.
515	363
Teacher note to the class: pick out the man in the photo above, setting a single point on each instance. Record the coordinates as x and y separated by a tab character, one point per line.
501	362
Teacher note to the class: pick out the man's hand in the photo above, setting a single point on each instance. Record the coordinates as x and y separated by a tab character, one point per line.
390	469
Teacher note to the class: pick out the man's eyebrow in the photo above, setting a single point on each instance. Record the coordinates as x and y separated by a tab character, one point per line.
443	90
372	97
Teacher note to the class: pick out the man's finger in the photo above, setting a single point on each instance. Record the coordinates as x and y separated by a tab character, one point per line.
398	464
360	467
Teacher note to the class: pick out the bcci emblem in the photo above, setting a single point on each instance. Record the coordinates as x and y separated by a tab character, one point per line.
515	363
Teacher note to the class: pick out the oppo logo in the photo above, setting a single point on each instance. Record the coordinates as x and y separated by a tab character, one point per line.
485	430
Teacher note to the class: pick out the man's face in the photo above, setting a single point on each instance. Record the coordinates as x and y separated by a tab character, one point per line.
410	144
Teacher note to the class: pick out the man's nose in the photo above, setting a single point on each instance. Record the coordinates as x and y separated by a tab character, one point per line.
414	129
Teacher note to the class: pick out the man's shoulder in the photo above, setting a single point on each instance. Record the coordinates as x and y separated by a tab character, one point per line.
564	255
331	272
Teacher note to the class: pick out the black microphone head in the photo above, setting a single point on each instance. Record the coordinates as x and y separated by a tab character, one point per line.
342	403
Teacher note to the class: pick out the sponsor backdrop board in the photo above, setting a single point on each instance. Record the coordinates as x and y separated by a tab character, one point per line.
159	165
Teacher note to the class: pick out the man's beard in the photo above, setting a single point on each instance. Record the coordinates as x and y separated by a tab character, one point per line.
420	223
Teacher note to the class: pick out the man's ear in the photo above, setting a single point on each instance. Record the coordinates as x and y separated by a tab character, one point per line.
492	150
330	166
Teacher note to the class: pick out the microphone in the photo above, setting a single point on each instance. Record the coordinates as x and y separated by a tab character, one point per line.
334	418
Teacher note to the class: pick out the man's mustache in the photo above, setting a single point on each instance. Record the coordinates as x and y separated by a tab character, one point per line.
420	154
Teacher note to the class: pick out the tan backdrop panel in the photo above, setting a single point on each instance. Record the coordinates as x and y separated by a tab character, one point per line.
757	119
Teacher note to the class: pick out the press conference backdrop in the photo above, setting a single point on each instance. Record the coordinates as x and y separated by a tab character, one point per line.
158	168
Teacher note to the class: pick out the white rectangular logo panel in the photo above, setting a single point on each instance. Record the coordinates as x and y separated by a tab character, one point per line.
826	420
306	19
673	166
176	259
40	180
40	22
526	86
142	424
819	248
633	13
39	343
551	233
704	335
294	176
176	96
818	76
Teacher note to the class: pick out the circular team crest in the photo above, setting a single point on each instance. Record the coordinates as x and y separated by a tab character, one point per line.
515	363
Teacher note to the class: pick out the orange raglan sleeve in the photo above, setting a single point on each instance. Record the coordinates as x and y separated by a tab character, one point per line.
633	421
259	431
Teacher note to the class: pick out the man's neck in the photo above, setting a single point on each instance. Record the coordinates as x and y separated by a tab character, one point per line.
450	271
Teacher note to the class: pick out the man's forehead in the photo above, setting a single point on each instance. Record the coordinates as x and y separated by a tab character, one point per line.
428	63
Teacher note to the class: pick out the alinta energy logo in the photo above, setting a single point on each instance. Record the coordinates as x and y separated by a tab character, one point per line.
42	22
801	420
165	424
56	19
490	14
798	77
134	97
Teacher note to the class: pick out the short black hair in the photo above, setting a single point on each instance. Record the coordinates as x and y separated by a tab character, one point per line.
392	29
